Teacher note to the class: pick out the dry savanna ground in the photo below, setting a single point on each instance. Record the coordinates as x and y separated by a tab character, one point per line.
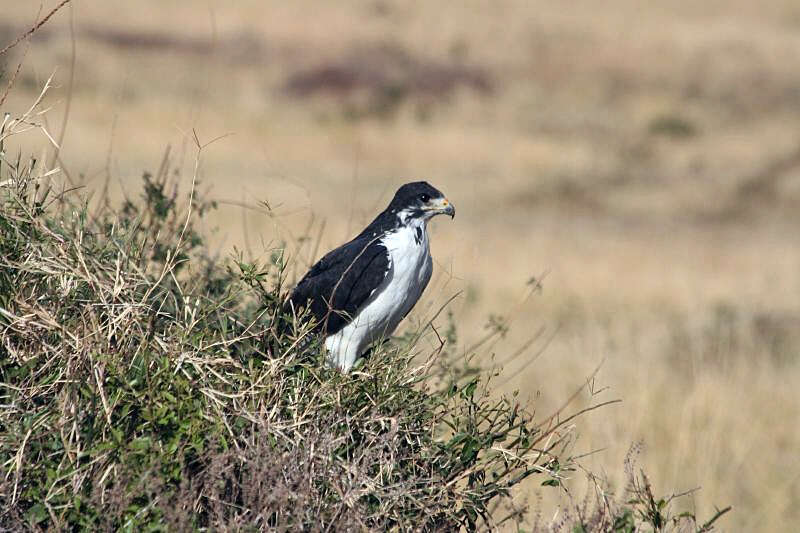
644	158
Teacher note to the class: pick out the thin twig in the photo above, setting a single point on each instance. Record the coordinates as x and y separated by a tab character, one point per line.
35	27
13	78
68	105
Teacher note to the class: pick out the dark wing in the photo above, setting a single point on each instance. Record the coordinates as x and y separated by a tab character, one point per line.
341	282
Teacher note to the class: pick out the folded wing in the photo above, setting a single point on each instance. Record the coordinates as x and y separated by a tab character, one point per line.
341	283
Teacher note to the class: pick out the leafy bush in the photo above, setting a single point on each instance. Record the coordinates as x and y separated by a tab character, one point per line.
144	384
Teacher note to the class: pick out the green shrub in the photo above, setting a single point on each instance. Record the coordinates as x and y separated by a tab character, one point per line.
144	386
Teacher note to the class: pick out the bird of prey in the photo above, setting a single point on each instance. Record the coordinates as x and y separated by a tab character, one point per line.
359	292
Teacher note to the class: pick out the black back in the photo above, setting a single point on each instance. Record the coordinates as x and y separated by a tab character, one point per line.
341	282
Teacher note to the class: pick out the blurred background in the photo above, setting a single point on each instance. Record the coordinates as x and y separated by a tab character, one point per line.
641	160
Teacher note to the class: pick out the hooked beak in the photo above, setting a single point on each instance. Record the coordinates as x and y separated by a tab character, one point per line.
442	206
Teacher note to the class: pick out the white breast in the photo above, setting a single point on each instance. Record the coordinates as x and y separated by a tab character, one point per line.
409	272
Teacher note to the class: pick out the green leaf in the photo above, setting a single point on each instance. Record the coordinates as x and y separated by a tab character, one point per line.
37	513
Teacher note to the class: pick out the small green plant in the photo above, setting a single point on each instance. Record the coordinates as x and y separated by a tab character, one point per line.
636	509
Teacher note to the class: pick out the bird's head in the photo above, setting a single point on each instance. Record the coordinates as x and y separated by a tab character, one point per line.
420	200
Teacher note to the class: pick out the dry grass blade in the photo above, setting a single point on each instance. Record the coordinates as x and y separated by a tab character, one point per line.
36	26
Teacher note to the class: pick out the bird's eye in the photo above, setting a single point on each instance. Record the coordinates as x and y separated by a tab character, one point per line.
424	197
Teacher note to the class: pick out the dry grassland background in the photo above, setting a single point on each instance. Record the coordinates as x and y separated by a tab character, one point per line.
644	156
